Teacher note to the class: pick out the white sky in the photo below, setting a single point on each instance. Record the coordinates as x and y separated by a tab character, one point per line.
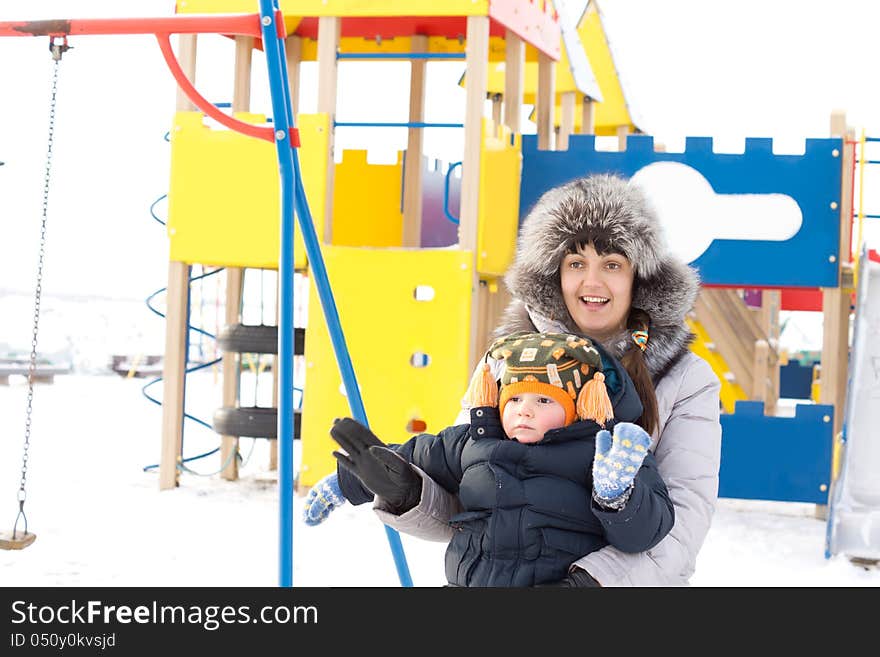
728	70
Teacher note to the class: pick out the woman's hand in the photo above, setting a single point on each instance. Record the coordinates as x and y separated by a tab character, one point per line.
379	468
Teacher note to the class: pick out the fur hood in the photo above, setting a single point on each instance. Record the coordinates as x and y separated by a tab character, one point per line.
614	214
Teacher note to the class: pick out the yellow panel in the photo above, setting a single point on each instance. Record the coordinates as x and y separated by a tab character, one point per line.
314	137
224	196
401	44
366	202
730	392
498	224
342	7
384	325
612	111
386	8
564	80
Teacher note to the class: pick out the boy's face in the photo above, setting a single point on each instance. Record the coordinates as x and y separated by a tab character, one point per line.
528	416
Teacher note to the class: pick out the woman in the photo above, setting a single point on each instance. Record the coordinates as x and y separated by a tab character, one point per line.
591	261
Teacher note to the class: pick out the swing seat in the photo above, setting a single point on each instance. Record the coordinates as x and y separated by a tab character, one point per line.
19	542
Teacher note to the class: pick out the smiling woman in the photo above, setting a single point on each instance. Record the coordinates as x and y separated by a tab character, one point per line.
597	289
591	261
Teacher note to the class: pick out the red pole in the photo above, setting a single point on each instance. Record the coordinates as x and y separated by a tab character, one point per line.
243	24
227	24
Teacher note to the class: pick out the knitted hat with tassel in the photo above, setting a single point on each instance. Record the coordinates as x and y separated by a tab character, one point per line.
566	368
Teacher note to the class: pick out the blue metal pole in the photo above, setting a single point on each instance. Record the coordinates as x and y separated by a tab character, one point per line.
294	194
281	113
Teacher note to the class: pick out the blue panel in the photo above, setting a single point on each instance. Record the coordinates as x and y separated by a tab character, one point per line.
786	459
813	180
796	380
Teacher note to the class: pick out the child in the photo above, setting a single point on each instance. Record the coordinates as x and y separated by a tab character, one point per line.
535	498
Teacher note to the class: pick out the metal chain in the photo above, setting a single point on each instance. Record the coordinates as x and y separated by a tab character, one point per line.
57	50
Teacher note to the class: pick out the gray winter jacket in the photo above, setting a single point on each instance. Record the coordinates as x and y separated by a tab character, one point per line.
611	213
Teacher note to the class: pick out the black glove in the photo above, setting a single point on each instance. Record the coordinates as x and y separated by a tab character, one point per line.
577	578
379	468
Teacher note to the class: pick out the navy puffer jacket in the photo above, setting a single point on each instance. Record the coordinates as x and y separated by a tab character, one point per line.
528	509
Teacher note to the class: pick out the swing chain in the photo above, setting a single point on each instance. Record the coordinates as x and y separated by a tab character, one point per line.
32	366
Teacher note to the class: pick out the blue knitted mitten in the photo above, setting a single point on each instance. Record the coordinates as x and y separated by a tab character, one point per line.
618	459
322	499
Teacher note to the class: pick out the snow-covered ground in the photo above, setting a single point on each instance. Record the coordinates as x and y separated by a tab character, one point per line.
101	520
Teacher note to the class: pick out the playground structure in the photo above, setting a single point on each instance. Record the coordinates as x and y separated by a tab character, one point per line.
415	381
736	334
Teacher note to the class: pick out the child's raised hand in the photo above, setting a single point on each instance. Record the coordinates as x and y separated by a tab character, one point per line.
618	459
322	499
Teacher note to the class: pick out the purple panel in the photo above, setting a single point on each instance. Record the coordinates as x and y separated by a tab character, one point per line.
752	298
437	229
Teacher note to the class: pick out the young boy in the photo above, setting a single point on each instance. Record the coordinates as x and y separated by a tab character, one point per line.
541	481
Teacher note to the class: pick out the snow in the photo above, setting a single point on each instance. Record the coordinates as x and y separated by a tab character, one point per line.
99	517
101	520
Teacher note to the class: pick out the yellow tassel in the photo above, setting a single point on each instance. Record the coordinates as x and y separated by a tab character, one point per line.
483	390
593	402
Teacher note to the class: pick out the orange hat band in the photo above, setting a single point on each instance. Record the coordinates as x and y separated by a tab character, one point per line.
539	388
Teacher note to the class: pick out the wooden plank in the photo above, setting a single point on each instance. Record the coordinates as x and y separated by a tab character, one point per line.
412	167
241	85
241	95
186	56
546	101
496	112
771	301
231	371
566	120
588	117
293	54
328	45
514	70
476	81
622	132
176	302
177	299
760	381
726	346
836	300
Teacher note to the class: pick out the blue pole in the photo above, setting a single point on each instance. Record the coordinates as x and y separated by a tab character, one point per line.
294	194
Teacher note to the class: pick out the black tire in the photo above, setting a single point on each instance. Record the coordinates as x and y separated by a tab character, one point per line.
257	339
252	422
244	339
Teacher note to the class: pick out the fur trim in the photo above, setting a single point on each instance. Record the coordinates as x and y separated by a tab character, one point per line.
612	210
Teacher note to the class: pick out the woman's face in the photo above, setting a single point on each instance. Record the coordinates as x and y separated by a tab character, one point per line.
597	290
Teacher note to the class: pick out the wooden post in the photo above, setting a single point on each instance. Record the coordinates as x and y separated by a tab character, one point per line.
187	44
273	444
476	81
329	30
770	303
622	132
293	54
588	116
177	300
496	112
241	98
566	120
836	300
514	58
412	168
172	373
545	101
